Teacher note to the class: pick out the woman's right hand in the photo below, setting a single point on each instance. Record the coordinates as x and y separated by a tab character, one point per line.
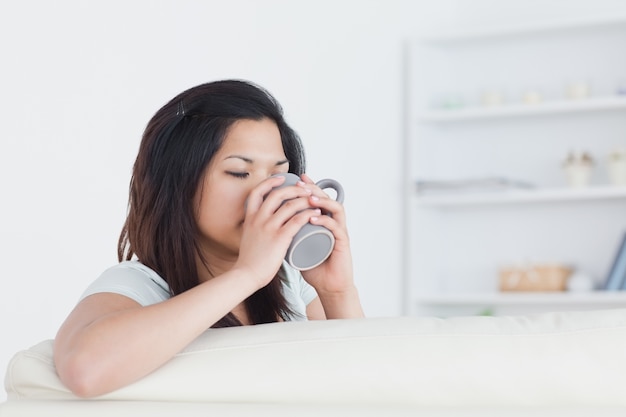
272	218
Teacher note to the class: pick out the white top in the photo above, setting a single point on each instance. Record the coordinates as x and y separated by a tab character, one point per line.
140	283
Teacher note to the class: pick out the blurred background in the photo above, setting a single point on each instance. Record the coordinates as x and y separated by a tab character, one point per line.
79	81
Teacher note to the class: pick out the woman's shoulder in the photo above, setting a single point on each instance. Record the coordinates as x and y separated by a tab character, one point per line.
131	279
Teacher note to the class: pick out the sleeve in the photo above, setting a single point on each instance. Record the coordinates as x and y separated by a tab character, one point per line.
133	280
307	292
298	293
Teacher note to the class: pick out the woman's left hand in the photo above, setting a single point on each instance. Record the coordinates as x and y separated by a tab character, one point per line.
334	276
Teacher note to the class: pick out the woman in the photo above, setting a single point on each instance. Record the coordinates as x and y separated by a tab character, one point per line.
204	241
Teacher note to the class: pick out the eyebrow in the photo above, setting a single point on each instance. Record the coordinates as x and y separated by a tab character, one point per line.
251	161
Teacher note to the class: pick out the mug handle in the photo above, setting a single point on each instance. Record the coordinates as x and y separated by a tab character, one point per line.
330	183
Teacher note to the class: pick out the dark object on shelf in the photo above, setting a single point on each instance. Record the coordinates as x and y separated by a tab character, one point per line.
616	280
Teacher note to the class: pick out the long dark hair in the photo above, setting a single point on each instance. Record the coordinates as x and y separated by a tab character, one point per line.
177	145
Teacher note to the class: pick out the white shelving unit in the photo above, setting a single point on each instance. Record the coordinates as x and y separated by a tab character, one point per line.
455	242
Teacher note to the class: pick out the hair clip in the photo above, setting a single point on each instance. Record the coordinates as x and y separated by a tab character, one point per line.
180	110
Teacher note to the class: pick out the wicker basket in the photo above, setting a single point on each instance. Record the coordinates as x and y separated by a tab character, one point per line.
534	278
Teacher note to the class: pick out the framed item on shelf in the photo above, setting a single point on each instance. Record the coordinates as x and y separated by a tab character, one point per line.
616	280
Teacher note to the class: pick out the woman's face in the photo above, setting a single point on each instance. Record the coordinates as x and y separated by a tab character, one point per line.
252	151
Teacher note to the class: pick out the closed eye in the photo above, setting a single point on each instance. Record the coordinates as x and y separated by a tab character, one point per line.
241	175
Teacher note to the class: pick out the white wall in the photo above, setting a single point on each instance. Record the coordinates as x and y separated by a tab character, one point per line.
80	80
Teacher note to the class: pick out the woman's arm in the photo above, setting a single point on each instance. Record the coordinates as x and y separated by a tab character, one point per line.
335	306
109	340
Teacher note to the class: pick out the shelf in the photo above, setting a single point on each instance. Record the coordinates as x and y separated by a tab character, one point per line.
557	298
521	110
547	195
459	220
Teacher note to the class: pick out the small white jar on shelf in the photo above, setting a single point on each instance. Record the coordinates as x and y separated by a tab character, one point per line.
577	90
578	167
617	167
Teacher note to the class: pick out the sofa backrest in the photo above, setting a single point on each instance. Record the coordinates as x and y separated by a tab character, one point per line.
573	358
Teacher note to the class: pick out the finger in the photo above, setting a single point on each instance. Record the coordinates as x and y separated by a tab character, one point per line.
280	197
291	208
315	190
320	192
330	206
308	183
257	195
293	224
306	179
337	229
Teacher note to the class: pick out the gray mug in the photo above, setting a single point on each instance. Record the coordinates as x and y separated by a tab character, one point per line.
313	243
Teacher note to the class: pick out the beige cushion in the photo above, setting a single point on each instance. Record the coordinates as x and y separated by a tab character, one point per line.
556	359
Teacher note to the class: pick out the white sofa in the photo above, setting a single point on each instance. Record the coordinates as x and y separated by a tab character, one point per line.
570	364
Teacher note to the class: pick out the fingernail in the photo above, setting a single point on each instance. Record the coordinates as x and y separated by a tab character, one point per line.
315	198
